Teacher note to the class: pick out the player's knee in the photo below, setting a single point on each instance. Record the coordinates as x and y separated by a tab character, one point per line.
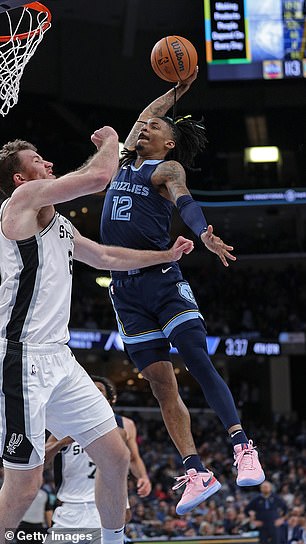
162	381
164	392
192	346
30	494
194	337
27	493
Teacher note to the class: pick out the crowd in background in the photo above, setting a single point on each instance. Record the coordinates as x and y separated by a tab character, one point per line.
282	448
262	301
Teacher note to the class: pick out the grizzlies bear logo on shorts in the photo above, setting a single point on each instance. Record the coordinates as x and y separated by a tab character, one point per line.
185	291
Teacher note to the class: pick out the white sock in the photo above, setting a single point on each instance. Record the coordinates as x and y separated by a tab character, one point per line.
112	536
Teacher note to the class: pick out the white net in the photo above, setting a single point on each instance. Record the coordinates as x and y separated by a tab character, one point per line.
17	48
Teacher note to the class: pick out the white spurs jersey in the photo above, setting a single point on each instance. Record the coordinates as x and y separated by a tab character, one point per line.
35	288
74	475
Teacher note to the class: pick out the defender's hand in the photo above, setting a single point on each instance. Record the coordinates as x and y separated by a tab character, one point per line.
100	135
180	246
216	245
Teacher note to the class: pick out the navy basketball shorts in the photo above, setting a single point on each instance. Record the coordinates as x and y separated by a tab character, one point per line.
150	304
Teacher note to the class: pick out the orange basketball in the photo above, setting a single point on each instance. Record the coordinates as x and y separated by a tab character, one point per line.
174	58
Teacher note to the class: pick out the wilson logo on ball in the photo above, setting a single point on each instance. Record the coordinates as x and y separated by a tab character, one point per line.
179	55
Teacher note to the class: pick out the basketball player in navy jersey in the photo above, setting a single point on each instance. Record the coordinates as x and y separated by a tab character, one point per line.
41	384
156	306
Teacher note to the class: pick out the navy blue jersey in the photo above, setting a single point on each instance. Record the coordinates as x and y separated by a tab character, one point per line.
119	421
134	214
149	303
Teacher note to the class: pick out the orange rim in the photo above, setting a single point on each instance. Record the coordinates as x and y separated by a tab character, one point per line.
36	6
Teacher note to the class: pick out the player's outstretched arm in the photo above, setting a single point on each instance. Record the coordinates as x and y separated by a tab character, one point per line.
90	178
159	107
120	258
171	175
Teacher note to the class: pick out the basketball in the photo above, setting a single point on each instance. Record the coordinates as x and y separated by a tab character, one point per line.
174	58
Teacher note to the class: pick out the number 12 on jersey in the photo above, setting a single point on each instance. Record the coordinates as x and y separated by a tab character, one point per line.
121	205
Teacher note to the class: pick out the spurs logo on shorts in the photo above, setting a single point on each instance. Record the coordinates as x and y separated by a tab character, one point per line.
14	442
185	291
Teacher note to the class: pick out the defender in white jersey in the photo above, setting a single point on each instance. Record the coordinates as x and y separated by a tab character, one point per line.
74	471
74	477
41	384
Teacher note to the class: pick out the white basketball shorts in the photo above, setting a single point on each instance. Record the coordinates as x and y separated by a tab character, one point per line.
44	387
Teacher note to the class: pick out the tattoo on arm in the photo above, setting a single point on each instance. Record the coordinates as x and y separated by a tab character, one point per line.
172	175
157	108
131	140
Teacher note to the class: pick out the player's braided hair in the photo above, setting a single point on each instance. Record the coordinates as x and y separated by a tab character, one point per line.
190	140
10	164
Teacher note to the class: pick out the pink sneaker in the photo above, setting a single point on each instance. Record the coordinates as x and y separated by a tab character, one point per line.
199	486
248	465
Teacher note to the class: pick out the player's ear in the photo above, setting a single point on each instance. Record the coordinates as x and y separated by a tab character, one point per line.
18	179
170	144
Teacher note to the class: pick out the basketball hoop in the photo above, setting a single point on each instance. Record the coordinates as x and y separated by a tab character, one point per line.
24	35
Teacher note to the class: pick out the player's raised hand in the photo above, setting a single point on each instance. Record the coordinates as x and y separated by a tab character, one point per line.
180	246
216	245
100	135
187	82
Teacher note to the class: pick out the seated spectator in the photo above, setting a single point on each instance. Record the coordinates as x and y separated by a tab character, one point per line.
294	529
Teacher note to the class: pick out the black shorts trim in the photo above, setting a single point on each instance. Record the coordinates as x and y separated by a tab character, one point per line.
17	447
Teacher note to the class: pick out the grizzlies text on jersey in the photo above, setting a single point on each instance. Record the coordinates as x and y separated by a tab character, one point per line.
134	214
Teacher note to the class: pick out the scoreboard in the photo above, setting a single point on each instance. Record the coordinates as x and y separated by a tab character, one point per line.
228	346
252	39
